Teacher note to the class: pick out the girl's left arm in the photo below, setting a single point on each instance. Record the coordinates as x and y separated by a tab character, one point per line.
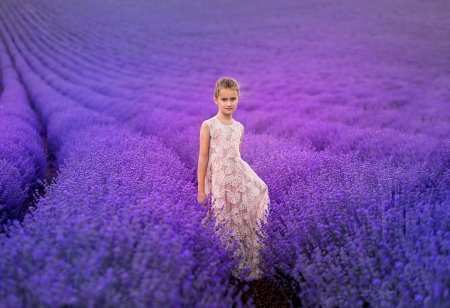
203	158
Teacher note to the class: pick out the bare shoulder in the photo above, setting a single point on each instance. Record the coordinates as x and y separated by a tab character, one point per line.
205	125
204	129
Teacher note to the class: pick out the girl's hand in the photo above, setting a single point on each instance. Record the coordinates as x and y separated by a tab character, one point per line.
201	197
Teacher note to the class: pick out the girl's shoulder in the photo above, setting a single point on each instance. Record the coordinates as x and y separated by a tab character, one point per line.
208	122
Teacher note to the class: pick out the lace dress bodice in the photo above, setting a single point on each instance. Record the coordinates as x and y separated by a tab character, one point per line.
240	197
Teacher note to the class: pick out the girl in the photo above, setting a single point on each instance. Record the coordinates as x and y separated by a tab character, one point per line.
240	197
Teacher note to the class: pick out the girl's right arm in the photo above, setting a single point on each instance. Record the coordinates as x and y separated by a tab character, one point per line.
203	161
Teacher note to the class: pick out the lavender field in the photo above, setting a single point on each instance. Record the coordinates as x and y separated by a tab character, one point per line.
346	108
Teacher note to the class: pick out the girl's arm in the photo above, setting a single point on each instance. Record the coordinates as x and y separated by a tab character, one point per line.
203	161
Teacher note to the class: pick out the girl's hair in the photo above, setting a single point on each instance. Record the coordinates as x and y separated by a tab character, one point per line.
226	83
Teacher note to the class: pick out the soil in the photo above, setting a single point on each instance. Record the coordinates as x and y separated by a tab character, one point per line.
262	293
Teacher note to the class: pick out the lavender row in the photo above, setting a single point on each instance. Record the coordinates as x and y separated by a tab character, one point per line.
22	150
47	63
57	50
116	230
349	232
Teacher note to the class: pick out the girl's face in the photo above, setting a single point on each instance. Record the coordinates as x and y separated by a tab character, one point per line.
227	101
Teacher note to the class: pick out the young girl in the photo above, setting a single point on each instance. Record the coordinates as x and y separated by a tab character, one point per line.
240	197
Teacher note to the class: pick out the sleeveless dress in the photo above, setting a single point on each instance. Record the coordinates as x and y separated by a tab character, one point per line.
240	198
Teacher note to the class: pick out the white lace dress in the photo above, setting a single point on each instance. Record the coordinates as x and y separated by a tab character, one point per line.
240	197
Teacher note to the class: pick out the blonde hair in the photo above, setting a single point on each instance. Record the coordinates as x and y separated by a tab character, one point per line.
226	83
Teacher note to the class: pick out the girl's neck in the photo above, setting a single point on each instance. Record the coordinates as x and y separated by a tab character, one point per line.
224	118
